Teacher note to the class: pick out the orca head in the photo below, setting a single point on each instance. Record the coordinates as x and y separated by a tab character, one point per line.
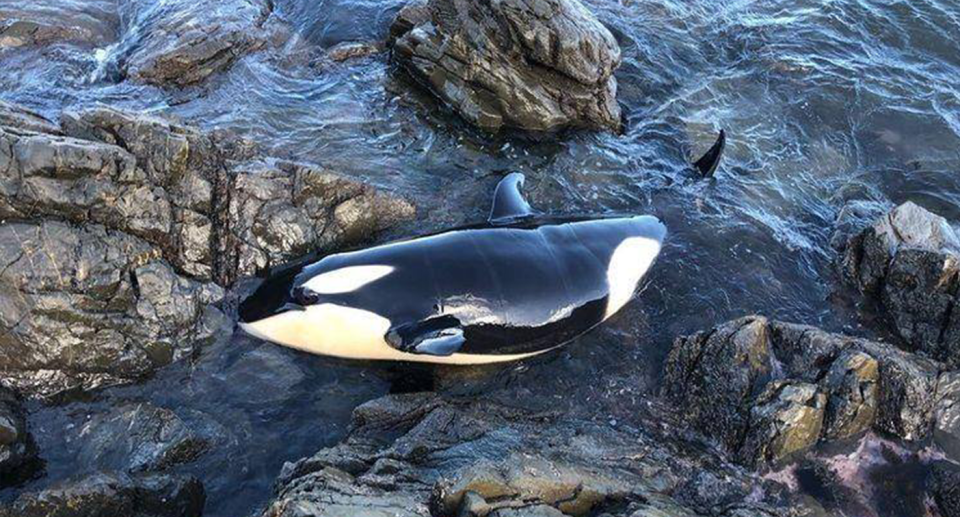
296	309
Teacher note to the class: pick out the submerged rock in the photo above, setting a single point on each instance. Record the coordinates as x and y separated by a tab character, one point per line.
113	494
909	263
422	454
538	65
183	42
123	230
17	449
44	22
767	389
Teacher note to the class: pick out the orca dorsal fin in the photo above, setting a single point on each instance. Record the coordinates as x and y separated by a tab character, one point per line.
508	201
708	163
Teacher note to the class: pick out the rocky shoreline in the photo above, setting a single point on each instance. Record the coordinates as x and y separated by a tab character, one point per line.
125	235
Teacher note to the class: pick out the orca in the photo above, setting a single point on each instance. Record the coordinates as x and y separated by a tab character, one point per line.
515	286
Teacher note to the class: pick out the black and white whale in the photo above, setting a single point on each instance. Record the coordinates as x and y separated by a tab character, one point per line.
518	285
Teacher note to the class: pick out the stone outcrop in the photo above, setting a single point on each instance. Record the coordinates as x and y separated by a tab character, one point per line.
183	42
17	449
120	230
422	454
765	390
91	23
908	263
114	494
538	65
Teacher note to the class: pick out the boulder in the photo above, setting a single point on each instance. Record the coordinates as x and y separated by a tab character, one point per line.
537	65
17	449
422	454
123	230
766	389
18	117
943	485
109	494
908	263
91	23
180	43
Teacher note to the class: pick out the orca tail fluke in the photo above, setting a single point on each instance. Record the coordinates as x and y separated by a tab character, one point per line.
708	163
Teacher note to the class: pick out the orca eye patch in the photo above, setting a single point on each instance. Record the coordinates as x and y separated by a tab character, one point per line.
347	279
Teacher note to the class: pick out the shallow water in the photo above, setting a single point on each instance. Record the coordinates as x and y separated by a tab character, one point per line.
824	102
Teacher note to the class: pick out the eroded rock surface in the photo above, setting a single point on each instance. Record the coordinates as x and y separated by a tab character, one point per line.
119	234
114	494
909	263
423	454
538	65
766	389
43	22
183	42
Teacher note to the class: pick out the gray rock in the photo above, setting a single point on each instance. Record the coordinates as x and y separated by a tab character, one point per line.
182	42
946	432
17	449
43	22
143	438
18	117
422	455
785	419
943	484
114	494
539	65
909	263
767	389
83	307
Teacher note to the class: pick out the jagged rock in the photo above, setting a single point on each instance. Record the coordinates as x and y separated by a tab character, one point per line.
142	437
182	42
15	116
43	22
83	307
118	228
946	432
943	484
537	65
909	262
114	494
17	449
281	210
853	385
422	454
786	418
731	383
351	50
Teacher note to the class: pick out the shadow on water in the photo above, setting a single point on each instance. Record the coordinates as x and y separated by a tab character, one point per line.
825	104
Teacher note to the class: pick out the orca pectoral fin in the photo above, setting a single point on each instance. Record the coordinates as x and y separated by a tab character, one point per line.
708	163
508	201
440	336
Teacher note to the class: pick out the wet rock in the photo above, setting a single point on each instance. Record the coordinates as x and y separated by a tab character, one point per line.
422	454
767	389
17	449
44	22
538	65
142	437
181	42
786	418
15	116
350	50
114	494
946	432
907	262
281	210
943	484
126	227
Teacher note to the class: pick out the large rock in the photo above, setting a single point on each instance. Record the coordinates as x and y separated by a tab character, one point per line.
110	494
423	455
43	22
182	42
538	65
15	116
909	263
767	389
17	449
121	231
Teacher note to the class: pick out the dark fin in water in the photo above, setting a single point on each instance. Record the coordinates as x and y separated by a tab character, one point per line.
436	336
508	201
708	163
